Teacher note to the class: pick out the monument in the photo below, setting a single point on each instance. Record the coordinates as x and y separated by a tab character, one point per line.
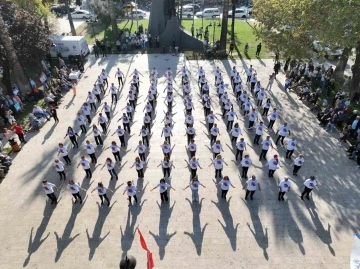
164	22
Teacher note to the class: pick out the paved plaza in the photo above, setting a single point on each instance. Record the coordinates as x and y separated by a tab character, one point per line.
263	233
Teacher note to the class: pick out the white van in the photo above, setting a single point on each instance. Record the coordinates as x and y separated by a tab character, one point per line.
208	13
187	12
69	46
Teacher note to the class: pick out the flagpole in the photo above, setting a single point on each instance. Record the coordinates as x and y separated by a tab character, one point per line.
148	261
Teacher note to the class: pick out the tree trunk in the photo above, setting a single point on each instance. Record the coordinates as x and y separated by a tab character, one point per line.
72	27
11	56
6	81
355	85
114	26
233	20
341	64
224	26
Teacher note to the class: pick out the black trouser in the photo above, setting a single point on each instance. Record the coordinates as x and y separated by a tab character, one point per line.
213	139
52	197
265	111
164	196
252	86
251	123
112	173
218	172
281	195
62	173
98	140
96	54
169	105
132	103
166	171
88	118
83	129
120	80
135	198
98	98
216	154
251	194
76	196
225	111
193	172
113	97
73	141
280	137
248	78
92	106
93	158
122	140
148	125
230	125
21	138
244	171
88	173
117	156
259	102
263	154
140	173
145	138
129	115
67	159
192	153
271	124
207	110
103	127
106	82
102	197
296	169
289	153
211	124
190	137
239	152
256	139
142	156
167	154
127	126
271	173
167	138
234	138
56	119
306	192
107	115
223	193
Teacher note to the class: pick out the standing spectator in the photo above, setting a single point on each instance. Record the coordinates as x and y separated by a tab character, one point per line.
49	190
157	41
19	131
258	50
251	186
192	30
96	51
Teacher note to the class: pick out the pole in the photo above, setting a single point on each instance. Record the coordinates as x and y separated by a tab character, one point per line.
137	18
194	13
214	33
202	17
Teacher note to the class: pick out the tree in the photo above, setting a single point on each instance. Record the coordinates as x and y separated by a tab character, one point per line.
113	15
233	8
71	22
23	43
224	26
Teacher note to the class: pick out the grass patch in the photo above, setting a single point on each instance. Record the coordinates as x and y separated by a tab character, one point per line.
23	117
7	149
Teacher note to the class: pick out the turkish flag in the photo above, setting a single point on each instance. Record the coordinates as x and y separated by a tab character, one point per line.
150	263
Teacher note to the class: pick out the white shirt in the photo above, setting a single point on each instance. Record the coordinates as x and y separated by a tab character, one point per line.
90	148
189	119
261	95
102	119
267	105
63	151
194	185
167	131
166	164
147	119
114	148
144	132
218	163
299	161
192	147
252	116
131	191
225	184
74	188
91	98
85	164
284	186
283	130
101	190
217	148
120	132
273	115
266	144
273	164
49	188
59	166
96	132
247	105
139	165
80	120
110	165
125	119
310	183
291	144
107	108
119	74
243	97
252	184
211	118
168	119
231	115
190	130
259	129
162	187
141	149
193	164
166	148
241	145
235	131
85	110
246	162
113	89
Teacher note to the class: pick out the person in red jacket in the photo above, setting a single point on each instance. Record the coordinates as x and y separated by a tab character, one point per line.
19	131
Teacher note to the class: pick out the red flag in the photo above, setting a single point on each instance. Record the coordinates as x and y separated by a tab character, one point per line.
150	262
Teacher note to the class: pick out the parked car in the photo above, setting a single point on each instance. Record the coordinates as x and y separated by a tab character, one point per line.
239	13
328	52
188	12
208	13
136	14
196	7
61	9
81	14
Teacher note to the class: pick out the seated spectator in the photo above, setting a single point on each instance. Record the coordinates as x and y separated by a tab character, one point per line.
345	135
18	103
10	118
304	92
40	113
48	99
15	89
10	135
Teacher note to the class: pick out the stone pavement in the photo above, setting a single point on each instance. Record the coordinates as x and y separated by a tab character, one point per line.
263	233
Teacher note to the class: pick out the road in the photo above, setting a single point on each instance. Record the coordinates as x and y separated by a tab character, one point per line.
63	26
